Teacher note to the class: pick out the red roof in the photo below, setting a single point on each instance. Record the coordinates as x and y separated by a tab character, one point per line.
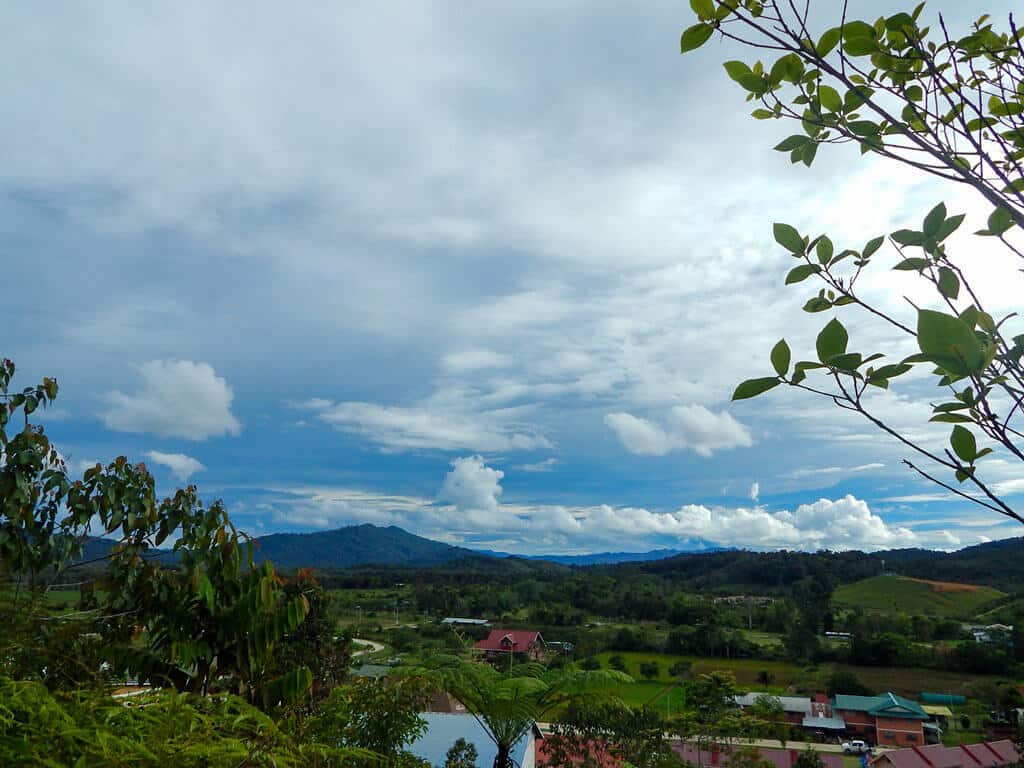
517	640
598	752
779	758
987	754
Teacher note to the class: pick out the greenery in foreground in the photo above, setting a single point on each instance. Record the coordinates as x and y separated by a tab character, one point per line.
249	671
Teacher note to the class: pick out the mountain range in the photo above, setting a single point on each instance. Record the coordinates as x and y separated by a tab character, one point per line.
998	563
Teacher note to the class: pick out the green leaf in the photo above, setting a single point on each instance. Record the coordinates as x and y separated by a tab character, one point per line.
854	29
999	221
828	41
737	70
694	37
830	98
908	237
964	444
949	283
912	264
801	272
792	142
863	128
949	342
788	238
936	216
832	340
848	362
873	245
780	357
754	387
817	304
825	249
705	9
949	226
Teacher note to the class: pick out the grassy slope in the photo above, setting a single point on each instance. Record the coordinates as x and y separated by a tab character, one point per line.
891	594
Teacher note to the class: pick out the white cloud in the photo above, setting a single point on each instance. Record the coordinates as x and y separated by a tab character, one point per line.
432	426
691	427
813	472
755	491
177	398
548	465
475	360
472	486
181	465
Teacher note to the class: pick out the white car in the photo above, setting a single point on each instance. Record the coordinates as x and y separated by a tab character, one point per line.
856	747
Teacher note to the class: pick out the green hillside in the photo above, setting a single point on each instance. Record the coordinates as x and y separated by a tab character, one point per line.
902	594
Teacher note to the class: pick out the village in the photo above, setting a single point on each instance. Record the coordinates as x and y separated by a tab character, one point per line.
843	730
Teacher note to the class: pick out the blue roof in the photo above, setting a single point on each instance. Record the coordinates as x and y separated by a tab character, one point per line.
442	731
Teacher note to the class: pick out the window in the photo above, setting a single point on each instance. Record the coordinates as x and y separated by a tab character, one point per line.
911	737
889	734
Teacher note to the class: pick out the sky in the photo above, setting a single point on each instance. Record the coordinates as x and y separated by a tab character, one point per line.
488	272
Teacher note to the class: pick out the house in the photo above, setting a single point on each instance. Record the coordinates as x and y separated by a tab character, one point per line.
455	621
796	708
443	730
885	720
987	754
505	641
812	714
717	757
1001	634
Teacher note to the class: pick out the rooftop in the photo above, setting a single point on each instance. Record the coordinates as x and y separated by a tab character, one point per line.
883	705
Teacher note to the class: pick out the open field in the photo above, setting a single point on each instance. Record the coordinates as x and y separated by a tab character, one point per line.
898	594
746	671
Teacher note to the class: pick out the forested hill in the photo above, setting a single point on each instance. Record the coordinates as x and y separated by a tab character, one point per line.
999	564
353	546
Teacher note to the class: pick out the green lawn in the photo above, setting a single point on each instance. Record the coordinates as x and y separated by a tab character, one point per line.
747	671
898	594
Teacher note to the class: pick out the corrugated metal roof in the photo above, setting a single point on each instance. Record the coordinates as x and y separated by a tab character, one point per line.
789	703
825	723
883	705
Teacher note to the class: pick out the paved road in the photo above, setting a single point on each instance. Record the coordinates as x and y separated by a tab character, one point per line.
372	646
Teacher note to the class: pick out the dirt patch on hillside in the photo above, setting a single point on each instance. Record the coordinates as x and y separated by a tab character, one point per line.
947	586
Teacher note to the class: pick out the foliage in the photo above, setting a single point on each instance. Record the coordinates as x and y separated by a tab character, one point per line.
809	758
842	681
461	754
649	670
950	106
377	715
507	704
208	617
39	728
595	733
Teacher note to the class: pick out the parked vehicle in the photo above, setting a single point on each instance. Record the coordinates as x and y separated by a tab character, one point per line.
856	747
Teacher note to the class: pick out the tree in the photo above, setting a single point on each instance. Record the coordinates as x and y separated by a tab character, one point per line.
597	732
507	704
809	758
681	669
617	662
771	716
382	716
461	754
842	681
202	615
950	106
649	670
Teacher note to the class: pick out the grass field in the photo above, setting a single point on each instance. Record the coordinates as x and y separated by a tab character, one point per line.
787	677
895	594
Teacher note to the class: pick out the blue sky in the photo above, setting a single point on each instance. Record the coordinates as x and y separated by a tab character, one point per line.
487	273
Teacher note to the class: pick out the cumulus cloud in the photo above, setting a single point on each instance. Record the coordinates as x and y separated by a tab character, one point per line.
423	427
755	491
688	427
181	465
176	398
472	486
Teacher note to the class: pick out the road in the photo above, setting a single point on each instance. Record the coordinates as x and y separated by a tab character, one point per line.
373	647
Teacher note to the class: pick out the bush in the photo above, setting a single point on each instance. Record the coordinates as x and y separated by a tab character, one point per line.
617	662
